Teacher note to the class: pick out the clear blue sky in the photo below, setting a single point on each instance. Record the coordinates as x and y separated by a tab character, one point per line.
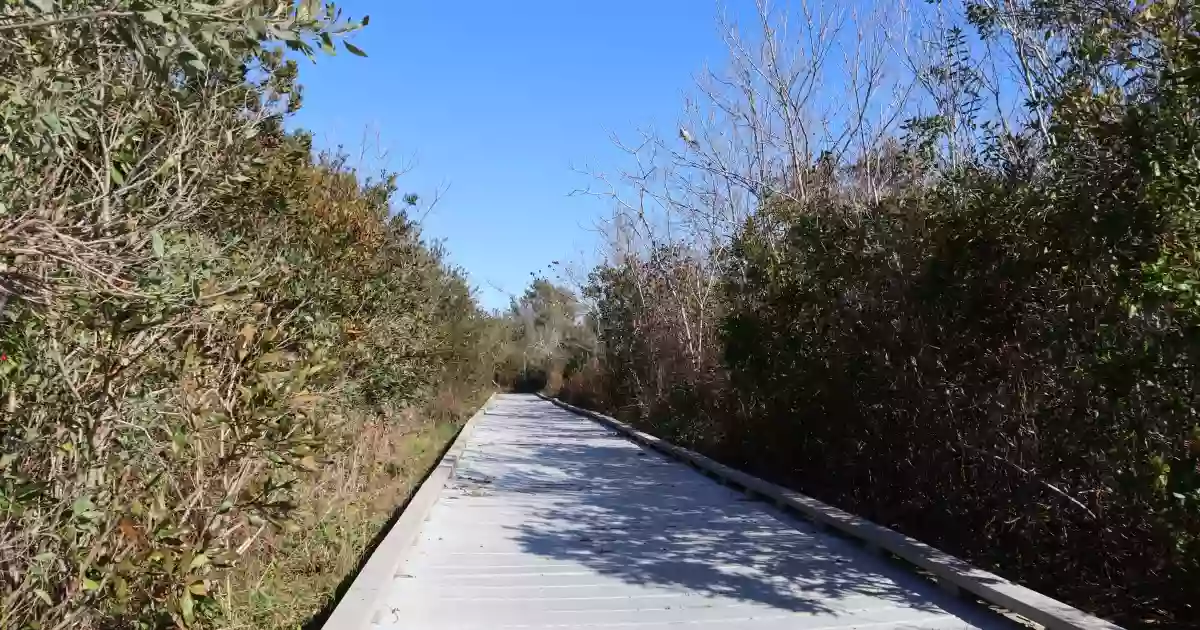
500	100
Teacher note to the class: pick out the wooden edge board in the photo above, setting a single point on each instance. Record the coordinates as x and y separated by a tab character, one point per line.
354	610
1038	608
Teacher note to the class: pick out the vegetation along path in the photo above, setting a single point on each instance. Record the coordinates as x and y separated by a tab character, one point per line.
551	520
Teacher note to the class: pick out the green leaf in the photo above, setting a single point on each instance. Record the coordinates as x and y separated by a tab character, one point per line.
53	122
327	44
354	50
44	596
257	26
285	33
197	562
90	585
153	16
192	60
223	44
308	9
45	6
156	242
115	174
82	505
187	607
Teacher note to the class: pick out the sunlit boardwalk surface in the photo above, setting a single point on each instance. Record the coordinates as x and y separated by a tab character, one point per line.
554	521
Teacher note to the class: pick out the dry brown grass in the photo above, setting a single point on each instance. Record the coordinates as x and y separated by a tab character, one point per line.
290	576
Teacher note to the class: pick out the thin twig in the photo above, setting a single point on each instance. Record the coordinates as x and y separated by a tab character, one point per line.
94	15
1034	475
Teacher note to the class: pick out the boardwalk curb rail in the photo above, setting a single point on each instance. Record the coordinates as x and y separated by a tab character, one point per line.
951	572
361	600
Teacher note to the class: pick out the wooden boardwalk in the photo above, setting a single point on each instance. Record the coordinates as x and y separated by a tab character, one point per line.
553	521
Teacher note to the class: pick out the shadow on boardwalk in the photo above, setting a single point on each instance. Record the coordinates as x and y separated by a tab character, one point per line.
607	504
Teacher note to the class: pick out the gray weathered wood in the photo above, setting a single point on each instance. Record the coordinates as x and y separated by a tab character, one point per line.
553	521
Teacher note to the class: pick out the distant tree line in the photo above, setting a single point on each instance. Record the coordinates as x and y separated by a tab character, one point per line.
550	336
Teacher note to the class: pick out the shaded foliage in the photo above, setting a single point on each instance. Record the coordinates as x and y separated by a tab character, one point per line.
999	356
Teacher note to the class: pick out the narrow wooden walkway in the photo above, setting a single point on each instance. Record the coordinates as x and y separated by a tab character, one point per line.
553	521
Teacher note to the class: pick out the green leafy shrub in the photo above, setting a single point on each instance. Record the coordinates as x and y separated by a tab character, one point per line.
548	339
191	305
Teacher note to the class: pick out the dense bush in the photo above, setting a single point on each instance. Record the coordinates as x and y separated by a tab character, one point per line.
997	355
195	312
